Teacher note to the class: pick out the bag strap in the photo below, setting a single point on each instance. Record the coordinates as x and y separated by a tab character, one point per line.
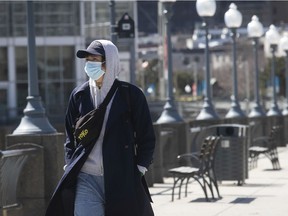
110	93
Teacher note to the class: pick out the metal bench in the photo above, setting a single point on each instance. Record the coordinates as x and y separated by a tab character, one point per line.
11	164
266	145
203	172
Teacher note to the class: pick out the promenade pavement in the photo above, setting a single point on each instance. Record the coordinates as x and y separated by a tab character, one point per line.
265	193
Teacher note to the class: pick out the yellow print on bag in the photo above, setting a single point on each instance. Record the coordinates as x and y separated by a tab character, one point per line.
83	134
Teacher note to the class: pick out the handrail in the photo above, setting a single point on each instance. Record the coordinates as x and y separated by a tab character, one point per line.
15	152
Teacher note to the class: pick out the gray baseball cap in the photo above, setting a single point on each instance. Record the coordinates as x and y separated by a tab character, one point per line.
95	48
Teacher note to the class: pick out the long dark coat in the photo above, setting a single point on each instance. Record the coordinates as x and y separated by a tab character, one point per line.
126	192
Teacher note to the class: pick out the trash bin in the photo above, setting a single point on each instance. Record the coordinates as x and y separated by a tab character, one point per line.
231	162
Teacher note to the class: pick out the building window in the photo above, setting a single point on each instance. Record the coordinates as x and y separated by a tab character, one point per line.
22	93
3	64
57	18
56	75
21	64
21	77
4	23
3	105
18	18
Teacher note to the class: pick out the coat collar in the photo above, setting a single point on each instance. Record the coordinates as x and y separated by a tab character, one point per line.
83	91
83	88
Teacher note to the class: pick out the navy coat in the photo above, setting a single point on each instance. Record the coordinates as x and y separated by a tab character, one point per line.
129	141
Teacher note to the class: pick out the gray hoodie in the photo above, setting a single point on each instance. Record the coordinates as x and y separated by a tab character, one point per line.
94	162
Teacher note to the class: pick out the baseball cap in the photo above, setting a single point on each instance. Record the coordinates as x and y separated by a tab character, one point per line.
95	48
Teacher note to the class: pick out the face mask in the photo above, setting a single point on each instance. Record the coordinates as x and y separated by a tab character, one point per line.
93	70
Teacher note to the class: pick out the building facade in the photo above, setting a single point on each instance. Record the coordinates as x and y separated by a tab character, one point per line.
63	27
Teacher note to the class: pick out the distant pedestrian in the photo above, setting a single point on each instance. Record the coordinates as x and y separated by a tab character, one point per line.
106	178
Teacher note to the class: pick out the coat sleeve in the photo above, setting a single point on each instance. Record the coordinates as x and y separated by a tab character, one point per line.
72	114
143	128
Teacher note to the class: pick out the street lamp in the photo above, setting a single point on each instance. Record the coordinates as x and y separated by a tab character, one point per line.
272	36
233	20
284	46
255	31
206	9
34	120
170	113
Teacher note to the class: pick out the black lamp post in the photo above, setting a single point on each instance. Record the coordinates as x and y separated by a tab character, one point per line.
233	20
255	31
34	120
272	36
206	9
170	113
284	46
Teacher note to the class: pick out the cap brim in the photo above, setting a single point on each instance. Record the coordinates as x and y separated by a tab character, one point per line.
85	53
82	53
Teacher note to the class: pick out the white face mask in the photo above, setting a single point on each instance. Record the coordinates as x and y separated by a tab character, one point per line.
94	70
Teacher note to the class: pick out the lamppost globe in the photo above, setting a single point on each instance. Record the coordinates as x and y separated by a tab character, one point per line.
272	36
255	28
255	31
188	89
283	43
224	33
284	46
233	18
206	8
